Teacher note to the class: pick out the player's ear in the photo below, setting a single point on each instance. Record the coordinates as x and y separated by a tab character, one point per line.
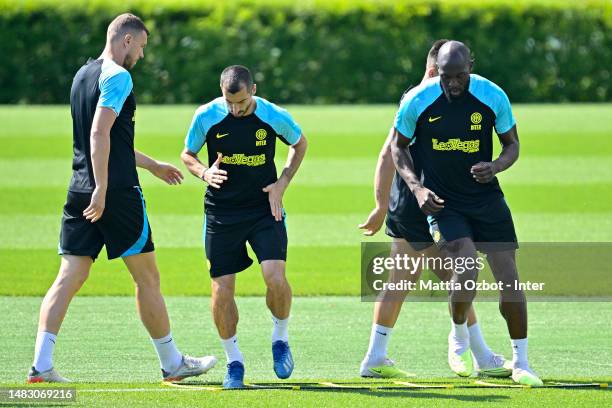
254	89
127	39
432	72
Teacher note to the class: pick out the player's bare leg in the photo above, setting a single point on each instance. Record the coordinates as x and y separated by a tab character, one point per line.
154	316
389	304
73	272
512	302
486	361
278	299
225	315
513	307
445	275
278	293
461	300
149	300
386	312
459	355
224	309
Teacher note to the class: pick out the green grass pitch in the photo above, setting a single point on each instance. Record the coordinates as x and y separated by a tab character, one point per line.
560	190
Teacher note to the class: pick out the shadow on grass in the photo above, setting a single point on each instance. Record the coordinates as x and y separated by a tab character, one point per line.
419	394
374	391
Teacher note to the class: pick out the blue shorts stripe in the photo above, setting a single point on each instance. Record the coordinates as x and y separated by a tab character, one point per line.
142	240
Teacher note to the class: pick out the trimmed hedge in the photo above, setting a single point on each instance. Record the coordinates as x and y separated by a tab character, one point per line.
331	51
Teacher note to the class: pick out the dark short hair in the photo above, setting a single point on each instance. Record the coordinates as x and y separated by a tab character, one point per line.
123	24
432	55
234	77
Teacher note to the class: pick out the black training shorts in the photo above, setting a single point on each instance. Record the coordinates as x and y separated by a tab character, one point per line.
489	225
123	228
226	235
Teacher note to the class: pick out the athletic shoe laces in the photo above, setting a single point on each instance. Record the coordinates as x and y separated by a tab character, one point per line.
281	349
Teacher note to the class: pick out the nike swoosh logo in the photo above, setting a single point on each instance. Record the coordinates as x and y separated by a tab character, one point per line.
223	135
434	119
384	334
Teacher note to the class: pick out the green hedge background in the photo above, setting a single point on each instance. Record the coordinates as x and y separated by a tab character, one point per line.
334	51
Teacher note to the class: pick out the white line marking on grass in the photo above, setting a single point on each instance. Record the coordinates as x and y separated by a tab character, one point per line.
136	389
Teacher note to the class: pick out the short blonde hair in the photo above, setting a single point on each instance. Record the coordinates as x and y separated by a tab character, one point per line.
124	23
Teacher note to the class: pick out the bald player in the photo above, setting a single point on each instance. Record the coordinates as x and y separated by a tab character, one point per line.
408	227
449	121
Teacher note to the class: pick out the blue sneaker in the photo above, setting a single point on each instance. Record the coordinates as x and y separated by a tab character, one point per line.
235	375
283	360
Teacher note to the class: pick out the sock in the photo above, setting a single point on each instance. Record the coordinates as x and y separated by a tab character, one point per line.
459	339
280	330
482	352
519	353
377	349
232	352
169	357
43	351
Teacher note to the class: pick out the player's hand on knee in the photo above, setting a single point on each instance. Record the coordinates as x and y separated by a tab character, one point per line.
428	201
213	175
168	173
483	172
94	211
374	222
275	196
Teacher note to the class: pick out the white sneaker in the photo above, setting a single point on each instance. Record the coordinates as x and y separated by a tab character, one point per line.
525	376
190	367
51	375
460	364
497	366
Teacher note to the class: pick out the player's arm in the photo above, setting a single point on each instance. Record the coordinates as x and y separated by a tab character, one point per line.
114	89
294	159
99	140
276	190
505	126
510	150
213	175
194	142
383	178
484	172
428	201
165	171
